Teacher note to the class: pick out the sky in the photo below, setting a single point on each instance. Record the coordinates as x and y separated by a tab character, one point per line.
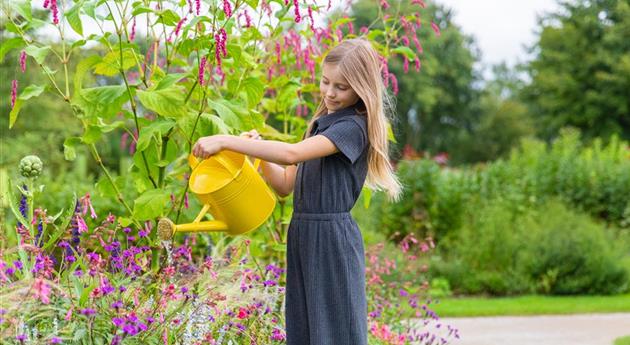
500	27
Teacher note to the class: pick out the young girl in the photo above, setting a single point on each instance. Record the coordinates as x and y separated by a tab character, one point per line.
345	143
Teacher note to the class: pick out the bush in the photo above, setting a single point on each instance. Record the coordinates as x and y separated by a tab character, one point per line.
548	249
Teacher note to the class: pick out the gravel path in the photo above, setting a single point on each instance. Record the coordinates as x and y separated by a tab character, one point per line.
581	329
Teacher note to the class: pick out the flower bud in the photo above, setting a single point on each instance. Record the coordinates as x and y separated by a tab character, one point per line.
31	166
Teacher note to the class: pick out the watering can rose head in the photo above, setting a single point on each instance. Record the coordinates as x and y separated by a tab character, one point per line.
31	166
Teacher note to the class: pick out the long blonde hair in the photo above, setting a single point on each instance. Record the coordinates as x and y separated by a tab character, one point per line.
360	65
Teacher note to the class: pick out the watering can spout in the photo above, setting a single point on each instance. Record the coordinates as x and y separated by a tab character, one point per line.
167	229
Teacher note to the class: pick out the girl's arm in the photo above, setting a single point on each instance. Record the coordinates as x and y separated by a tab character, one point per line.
268	150
281	179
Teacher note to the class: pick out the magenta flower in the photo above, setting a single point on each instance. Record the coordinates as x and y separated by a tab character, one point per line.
310	15
248	19
14	86
417	44
87	204
55	11
46	3
190	6
405	64
23	61
197	6
132	36
384	4
55	340
419	2
41	290
435	28
179	25
296	4
227	8
394	83
202	68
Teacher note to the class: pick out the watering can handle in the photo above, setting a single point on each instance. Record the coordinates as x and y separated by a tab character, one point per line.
256	164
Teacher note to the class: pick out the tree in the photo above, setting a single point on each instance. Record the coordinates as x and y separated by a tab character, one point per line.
580	76
437	104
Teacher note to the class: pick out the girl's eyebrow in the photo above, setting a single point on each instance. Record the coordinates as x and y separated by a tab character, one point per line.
342	84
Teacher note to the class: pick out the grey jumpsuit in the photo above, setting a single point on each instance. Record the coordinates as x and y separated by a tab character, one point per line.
325	291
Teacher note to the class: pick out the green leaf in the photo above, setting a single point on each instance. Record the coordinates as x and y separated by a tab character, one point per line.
82	67
103	101
23	8
149	205
124	221
32	91
225	113
254	88
38	53
167	102
74	18
92	134
69	146
252	3
8	45
169	17
157	127
26	94
170	80
13	204
110	65
61	230
404	50
13	115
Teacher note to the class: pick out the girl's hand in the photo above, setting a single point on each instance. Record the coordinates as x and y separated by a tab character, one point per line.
208	146
253	134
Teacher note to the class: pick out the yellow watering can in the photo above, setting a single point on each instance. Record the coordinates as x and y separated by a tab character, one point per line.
230	188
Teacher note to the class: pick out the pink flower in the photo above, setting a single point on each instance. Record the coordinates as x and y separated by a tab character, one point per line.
417	44
419	2
41	290
46	3
68	316
227	8
23	61
394	83
248	19
296	4
55	11
310	15
190	6
405	64
202	68
81	226
278	54
436	29
133	30
14	86
87	204
405	40
197	6
179	25
364	30
417	62
384	4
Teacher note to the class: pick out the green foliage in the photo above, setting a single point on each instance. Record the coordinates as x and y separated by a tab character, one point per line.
548	249
579	73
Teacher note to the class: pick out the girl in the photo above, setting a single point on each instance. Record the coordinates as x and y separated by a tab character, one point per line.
345	144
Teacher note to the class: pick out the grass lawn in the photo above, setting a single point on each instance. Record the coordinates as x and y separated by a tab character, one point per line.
622	341
531	305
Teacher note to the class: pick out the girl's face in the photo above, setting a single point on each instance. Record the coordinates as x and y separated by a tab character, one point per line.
335	89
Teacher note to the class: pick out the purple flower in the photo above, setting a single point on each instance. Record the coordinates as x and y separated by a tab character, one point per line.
88	311
117	305
55	340
118	321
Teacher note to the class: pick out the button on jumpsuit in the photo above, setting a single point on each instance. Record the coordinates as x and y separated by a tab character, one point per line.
325	291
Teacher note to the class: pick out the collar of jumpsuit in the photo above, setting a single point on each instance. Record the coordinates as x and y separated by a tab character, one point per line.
325	121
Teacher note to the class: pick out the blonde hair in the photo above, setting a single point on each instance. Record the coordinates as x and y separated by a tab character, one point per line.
360	65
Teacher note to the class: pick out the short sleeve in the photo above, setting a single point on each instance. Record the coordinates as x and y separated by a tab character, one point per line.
349	136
